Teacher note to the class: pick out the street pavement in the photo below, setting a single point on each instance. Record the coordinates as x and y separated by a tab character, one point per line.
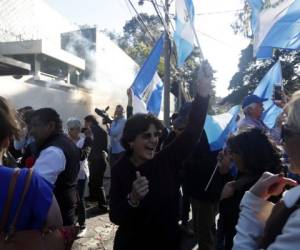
100	233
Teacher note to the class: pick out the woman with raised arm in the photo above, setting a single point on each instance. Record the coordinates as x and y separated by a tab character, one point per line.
144	190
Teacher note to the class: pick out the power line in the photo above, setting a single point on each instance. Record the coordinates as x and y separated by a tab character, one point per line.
217	40
143	23
160	17
128	7
164	8
219	12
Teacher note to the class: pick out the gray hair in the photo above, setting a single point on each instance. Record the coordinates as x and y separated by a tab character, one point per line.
73	122
248	108
293	118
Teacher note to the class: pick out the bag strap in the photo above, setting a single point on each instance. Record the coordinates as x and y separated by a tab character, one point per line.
7	204
276	221
21	202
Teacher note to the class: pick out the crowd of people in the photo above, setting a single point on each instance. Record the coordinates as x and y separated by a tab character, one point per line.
236	194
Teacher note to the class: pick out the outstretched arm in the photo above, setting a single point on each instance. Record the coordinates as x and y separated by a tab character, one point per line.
182	146
129	109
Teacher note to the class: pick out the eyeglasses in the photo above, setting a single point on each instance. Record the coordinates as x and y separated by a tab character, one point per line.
148	135
287	132
180	129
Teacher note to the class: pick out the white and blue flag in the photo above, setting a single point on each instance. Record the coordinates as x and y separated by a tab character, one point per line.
147	86
219	127
265	89
184	33
275	24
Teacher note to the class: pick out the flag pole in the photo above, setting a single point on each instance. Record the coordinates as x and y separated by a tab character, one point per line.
211	177
167	68
201	56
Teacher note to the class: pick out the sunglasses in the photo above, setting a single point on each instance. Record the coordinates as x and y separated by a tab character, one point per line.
148	135
180	129
287	132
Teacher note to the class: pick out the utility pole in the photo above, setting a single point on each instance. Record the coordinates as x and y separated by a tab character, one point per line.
167	68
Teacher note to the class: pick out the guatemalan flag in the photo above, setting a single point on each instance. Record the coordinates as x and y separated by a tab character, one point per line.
147	86
265	90
219	127
184	33
275	24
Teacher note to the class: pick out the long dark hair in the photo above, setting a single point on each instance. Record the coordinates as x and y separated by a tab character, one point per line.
258	152
9	121
8	126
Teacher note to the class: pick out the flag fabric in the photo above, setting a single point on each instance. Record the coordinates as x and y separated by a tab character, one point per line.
147	86
219	127
184	34
275	24
265	89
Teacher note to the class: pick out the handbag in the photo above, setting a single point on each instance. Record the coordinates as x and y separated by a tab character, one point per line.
44	239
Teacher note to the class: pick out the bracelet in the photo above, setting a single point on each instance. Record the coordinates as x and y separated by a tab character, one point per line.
131	203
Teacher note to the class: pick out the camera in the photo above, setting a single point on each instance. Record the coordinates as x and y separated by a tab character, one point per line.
103	113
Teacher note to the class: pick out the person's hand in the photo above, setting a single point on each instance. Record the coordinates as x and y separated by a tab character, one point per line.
224	161
280	120
129	94
88	132
140	187
270	184
228	190
205	77
282	102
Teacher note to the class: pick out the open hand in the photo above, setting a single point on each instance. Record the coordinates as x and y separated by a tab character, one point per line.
129	95
205	77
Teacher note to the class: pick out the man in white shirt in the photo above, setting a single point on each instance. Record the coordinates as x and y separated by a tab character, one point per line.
58	159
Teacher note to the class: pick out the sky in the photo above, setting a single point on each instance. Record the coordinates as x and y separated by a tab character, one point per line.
217	40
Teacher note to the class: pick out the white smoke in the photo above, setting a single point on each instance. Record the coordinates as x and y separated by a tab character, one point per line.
111	70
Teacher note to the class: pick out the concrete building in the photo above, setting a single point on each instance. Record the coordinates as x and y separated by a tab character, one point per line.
46	61
36	71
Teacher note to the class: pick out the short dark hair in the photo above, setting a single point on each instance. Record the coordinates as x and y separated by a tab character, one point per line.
258	152
92	119
46	115
136	125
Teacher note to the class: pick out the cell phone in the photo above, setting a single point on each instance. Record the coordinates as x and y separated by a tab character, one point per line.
277	93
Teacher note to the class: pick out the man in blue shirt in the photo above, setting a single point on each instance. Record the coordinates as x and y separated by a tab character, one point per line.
115	133
253	108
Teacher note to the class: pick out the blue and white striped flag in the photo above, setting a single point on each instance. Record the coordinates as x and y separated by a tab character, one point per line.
265	89
147	86
275	24
184	34
219	127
